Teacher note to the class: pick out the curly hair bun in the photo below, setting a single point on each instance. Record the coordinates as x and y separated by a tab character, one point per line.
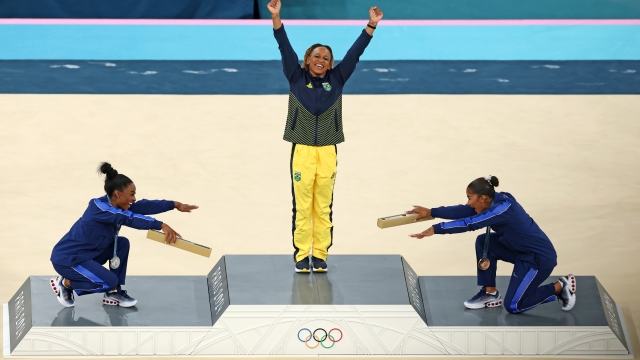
105	168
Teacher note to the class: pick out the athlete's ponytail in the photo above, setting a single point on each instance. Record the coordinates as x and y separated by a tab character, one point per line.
484	186
113	181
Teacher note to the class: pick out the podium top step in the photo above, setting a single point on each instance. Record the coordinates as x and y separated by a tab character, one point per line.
350	280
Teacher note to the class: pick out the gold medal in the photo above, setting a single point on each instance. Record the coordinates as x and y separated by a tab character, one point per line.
483	264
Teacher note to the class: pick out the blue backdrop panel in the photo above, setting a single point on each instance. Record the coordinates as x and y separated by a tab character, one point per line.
190	42
128	9
371	77
459	9
326	9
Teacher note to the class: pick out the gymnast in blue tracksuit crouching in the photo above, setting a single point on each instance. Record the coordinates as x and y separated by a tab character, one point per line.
93	241
516	238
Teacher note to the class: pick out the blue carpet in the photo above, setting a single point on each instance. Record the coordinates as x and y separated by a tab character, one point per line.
371	77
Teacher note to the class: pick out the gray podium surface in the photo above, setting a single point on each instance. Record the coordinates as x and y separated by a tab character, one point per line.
350	280
444	296
162	301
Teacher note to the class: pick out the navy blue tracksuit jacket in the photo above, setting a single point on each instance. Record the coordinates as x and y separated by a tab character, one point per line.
96	229
517	239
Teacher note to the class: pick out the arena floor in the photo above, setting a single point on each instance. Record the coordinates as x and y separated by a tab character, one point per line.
570	160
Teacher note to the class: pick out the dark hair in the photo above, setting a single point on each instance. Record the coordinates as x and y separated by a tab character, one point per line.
113	181
308	53
482	186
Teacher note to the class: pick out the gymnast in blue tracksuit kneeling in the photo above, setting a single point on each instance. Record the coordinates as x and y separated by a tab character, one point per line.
93	241
516	239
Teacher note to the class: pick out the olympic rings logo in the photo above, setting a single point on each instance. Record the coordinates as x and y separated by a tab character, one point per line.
320	340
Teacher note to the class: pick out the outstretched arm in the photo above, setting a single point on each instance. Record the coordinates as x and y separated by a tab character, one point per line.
348	64
486	218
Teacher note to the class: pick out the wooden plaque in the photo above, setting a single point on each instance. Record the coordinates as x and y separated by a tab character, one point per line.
181	243
396	220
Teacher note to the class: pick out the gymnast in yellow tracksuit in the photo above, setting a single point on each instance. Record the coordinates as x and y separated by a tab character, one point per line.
314	127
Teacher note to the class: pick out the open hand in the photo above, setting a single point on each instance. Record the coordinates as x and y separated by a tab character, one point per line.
184	207
427	232
274	7
170	235
375	15
421	211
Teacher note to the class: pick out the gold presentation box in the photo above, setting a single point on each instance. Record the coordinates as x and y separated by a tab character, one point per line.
396	220
181	243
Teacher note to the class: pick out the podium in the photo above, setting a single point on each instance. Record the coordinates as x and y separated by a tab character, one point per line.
257	305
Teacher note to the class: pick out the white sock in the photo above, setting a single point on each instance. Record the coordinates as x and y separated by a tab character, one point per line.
493	293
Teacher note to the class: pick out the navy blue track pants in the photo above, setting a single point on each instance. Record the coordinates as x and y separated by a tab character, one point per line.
524	292
92	277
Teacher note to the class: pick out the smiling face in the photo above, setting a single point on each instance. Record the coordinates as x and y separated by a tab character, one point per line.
319	61
478	203
123	199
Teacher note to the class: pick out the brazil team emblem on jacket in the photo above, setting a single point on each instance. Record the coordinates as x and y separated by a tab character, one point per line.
326	86
297	176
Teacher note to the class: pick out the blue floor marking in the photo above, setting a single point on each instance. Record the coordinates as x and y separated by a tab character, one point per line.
371	77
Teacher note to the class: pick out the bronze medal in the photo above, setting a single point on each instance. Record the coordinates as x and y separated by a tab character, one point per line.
483	264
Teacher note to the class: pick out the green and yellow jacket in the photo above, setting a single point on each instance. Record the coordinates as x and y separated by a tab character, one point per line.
315	103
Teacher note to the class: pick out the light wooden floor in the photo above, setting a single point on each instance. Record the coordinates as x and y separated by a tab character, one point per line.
571	161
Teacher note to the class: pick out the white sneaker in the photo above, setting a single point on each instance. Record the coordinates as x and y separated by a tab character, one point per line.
483	299
568	292
64	295
119	297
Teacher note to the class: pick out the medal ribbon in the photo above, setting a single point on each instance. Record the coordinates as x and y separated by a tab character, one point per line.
115	240
485	251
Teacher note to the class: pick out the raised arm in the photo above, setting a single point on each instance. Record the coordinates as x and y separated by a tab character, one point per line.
290	63
348	64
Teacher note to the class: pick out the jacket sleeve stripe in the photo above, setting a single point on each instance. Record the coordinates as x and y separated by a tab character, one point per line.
476	219
128	214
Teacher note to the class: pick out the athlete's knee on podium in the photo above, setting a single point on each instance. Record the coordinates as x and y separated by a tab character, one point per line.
511	308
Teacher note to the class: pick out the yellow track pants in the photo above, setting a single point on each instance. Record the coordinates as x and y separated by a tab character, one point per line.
313	174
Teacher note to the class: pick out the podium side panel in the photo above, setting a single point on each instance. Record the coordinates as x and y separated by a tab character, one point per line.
413	288
218	290
20	316
611	313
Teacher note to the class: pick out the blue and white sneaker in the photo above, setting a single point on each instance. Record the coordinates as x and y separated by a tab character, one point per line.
302	266
568	292
319	265
63	294
483	299
119	297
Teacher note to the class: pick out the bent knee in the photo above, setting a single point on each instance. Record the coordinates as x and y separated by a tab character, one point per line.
110	283
123	242
510	307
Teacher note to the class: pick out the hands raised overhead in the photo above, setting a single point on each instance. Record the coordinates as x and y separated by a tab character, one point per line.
375	15
274	7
